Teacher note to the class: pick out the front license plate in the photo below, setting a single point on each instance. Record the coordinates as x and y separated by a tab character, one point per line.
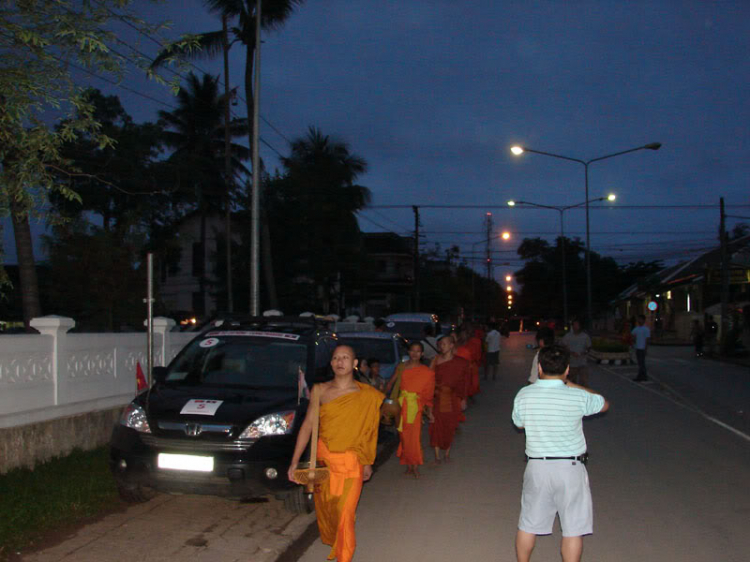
185	462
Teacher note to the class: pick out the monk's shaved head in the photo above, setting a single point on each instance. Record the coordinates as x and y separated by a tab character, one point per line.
348	348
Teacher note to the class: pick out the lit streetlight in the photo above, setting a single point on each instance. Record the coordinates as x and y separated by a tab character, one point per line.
519	150
561	209
508	278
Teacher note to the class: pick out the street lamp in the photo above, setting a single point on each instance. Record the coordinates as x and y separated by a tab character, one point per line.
518	150
561	209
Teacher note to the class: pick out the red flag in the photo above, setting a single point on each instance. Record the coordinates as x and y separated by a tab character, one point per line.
140	377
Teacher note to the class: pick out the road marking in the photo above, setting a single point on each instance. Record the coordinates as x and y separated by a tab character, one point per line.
687	404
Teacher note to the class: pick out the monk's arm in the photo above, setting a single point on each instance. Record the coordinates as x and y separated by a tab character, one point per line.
303	437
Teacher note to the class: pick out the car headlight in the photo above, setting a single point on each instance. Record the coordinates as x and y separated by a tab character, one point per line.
134	417
279	423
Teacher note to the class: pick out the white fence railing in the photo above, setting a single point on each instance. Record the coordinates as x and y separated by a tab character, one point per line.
56	374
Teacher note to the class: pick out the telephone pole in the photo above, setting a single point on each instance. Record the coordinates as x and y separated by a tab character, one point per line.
724	277
415	208
488	225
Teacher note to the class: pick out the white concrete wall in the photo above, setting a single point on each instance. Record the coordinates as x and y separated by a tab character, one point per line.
57	374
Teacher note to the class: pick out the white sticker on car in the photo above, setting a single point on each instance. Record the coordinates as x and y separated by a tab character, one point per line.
201	407
391	324
210	342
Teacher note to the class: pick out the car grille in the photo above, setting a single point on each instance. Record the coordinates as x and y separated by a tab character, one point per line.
196	445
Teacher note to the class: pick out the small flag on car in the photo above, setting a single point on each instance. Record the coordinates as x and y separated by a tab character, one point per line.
140	377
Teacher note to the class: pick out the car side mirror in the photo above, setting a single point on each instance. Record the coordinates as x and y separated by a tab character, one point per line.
160	374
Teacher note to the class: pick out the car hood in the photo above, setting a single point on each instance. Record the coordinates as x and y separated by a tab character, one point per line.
239	407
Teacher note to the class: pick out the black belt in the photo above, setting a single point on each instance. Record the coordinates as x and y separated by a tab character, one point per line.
582	458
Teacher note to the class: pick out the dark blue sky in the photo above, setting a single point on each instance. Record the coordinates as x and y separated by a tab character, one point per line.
433	94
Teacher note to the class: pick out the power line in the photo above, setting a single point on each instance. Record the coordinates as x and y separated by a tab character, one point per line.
381	215
613	207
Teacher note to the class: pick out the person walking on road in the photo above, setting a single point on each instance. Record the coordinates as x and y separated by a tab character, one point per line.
555	481
347	444
544	338
578	343
492	339
416	395
641	334
452	375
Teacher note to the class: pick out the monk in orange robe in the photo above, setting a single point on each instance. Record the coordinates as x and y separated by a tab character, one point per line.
416	394
451	376
347	443
470	349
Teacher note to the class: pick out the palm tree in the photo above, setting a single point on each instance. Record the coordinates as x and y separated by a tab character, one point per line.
195	130
274	14
320	196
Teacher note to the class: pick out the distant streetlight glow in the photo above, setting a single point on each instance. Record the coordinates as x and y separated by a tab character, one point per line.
508	278
506	235
509	288
511	203
518	150
611	197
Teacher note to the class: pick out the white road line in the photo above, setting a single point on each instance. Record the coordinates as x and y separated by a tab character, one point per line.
687	404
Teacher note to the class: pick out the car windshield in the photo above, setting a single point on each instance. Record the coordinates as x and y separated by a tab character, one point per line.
239	361
367	348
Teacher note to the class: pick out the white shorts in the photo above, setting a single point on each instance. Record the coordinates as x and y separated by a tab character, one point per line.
553	487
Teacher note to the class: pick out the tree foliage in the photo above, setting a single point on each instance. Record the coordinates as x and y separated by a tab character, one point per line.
542	277
44	45
311	208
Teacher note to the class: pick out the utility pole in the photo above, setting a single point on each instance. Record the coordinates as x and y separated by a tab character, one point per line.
255	196
488	225
228	177
724	277
415	208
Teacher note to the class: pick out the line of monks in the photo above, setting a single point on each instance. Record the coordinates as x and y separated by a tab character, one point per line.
438	392
349	412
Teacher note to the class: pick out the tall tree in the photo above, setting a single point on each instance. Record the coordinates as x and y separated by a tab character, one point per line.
43	43
195	133
274	13
319	195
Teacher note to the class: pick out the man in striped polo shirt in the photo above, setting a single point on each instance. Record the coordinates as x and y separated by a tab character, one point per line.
551	412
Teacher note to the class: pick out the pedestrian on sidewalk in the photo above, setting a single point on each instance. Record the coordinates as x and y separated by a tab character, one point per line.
493	353
641	334
452	374
347	444
578	343
555	481
417	392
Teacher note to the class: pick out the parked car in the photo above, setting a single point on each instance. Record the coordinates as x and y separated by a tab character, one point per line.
389	348
411	324
222	418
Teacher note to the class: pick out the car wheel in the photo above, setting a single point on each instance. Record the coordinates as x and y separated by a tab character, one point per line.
135	493
299	501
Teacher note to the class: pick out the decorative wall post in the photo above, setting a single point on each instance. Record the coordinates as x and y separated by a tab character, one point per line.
163	326
57	327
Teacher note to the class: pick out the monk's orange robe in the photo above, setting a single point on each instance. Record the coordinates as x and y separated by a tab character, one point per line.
347	442
477	356
417	391
450	388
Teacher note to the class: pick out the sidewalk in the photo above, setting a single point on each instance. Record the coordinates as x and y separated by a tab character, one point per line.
173	528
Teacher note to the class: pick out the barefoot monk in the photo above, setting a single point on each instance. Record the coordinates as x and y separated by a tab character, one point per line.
349	417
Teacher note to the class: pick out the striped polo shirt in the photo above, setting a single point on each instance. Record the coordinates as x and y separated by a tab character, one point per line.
552	415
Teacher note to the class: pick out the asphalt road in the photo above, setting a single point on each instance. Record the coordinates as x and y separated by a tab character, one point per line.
669	481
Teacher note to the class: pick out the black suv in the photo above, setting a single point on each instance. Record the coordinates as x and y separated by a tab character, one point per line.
223	417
